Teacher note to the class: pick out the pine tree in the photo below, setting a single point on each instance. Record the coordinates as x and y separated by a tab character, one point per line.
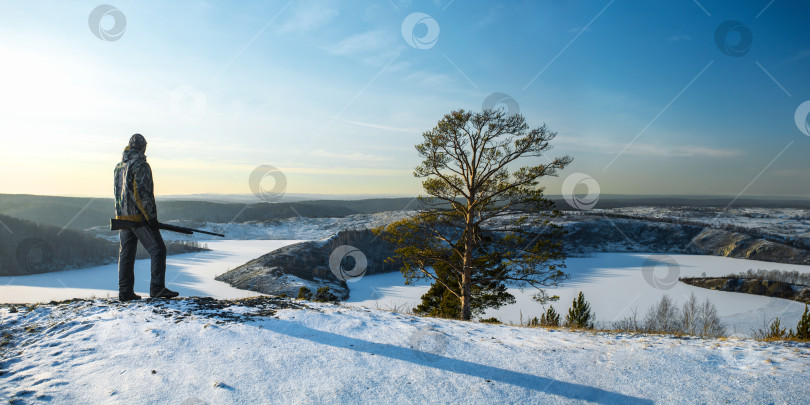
579	315
776	331
304	293
324	295
483	216
803	328
550	318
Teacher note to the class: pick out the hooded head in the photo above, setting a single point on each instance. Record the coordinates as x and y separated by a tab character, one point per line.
137	143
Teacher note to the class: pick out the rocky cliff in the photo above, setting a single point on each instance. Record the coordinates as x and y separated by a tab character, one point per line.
330	262
285	270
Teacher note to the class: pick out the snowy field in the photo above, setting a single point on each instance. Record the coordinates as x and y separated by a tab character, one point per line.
190	274
145	352
614	283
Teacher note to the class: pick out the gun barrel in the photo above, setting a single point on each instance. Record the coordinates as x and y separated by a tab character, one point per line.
118	224
183	229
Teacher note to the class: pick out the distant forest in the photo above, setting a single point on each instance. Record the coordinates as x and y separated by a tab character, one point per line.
28	248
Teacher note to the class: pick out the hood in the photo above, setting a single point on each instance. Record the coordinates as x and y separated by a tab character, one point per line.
132	154
137	142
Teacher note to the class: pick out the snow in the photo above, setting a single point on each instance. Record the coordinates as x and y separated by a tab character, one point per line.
106	352
615	285
790	223
190	274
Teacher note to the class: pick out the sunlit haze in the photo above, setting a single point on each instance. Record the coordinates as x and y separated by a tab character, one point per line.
648	97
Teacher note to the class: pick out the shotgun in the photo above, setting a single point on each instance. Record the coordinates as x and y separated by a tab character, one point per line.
118	224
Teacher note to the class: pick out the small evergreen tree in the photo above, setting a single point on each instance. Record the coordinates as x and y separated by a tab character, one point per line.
579	315
304	293
324	295
803	328
550	318
776	331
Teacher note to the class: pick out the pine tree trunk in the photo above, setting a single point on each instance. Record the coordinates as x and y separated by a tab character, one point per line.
466	311
466	279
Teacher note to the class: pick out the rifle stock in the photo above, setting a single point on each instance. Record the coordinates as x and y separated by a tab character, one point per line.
118	224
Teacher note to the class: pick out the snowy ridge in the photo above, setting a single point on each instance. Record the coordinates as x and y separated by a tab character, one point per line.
297	228
257	351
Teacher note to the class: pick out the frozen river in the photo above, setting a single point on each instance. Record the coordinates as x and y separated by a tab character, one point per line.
190	274
614	283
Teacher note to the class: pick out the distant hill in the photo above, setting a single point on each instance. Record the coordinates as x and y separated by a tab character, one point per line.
82	213
29	248
618	201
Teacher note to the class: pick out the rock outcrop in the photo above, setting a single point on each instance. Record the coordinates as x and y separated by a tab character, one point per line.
767	288
307	264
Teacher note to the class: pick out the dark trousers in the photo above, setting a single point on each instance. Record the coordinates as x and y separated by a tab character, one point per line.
153	243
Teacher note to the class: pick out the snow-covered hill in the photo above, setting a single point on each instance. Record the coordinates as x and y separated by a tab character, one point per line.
296	228
266	350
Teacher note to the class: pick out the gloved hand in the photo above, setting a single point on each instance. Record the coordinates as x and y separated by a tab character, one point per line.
153	223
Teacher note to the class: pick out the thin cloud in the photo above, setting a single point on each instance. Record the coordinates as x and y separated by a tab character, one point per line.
491	17
804	53
307	18
370	41
427	79
373	48
641	149
383	127
342	155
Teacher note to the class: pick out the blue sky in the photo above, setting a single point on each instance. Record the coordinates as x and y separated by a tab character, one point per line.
333	95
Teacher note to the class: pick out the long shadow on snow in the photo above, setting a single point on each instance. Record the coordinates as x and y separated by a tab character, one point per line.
528	381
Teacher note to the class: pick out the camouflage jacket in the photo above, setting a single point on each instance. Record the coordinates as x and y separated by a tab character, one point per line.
134	188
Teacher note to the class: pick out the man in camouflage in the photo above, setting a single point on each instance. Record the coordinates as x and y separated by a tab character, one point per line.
135	201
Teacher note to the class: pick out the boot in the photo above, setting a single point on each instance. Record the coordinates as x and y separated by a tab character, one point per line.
128	296
163	293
